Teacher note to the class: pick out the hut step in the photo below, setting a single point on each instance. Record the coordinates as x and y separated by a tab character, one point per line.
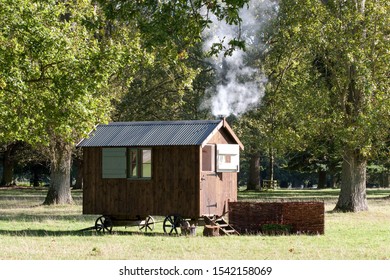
224	227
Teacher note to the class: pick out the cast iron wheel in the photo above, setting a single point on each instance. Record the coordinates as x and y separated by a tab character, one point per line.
147	224
103	224
172	223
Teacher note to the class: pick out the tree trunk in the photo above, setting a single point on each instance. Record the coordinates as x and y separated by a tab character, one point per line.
8	166
253	182
333	181
386	179
352	196
79	175
333	176
59	190
321	179
35	176
271	165
8	169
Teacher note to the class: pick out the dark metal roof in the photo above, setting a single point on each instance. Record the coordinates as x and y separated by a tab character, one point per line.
158	133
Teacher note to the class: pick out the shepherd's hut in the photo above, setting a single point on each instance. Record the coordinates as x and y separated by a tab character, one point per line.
175	169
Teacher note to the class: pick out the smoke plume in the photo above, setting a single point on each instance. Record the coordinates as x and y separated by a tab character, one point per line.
240	85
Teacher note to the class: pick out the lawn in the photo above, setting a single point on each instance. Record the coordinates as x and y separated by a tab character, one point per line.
30	231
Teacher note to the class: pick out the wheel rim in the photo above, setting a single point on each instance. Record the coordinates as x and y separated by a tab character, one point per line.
171	223
103	224
147	224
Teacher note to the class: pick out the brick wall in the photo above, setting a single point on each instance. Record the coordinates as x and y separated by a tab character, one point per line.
299	217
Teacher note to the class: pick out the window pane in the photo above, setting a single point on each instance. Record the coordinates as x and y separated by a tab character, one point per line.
133	163
114	163
208	158
146	163
228	158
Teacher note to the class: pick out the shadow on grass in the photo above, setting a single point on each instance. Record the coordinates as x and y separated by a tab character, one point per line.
81	232
43	217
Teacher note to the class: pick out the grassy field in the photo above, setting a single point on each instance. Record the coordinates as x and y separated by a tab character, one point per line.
30	231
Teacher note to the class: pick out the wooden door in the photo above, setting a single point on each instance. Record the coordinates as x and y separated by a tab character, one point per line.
208	194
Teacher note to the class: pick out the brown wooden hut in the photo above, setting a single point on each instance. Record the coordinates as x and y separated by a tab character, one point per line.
136	169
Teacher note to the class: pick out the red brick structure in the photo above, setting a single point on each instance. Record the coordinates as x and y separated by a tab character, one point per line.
277	217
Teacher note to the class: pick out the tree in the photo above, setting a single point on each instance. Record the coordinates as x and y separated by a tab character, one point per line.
8	151
335	67
54	71
60	63
165	85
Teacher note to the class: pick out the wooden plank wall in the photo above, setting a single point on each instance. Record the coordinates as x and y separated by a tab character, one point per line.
176	186
219	188
177	180
92	160
173	189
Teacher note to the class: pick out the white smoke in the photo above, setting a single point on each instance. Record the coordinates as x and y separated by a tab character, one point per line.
240	86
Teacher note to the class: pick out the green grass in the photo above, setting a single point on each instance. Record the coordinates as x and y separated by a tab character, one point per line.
305	194
30	231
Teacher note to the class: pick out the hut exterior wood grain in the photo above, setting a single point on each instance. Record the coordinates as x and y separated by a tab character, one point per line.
178	184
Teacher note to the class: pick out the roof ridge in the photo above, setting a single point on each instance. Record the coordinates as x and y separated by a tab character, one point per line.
155	133
179	122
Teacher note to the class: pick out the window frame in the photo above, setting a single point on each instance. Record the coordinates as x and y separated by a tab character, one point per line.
228	158
131	165
139	163
114	156
209	158
119	163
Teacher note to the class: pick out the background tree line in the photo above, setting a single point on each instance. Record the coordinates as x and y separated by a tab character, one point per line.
66	66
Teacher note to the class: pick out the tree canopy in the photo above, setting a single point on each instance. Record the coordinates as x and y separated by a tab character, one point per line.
56	63
65	66
330	60
62	63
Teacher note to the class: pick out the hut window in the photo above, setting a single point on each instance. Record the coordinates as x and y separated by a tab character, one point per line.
228	158
140	163
114	163
208	158
133	159
146	163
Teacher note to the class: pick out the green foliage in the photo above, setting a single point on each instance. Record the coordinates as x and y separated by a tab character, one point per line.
166	83
329	60
174	25
62	63
328	63
55	70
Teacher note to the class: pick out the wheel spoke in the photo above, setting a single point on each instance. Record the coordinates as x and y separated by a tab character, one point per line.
103	224
148	223
171	221
99	224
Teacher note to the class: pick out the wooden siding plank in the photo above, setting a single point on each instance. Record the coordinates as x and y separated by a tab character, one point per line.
174	187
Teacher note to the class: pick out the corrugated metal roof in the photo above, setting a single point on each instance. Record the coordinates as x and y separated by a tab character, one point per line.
159	133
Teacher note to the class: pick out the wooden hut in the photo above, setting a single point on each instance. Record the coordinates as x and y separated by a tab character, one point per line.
136	169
